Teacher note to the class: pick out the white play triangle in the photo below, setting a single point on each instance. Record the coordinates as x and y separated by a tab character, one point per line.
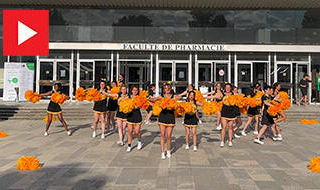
24	33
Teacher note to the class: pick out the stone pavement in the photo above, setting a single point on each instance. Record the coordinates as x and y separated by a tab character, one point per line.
81	162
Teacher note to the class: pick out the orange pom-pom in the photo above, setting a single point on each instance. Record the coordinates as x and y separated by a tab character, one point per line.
179	110
309	122
315	165
188	107
285	104
199	97
80	94
244	110
210	108
274	110
156	109
3	134
32	96
58	98
126	105
45	119
28	163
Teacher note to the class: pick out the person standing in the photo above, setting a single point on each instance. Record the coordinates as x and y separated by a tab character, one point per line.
304	89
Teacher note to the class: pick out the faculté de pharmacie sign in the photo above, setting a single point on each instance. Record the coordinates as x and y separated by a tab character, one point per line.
173	47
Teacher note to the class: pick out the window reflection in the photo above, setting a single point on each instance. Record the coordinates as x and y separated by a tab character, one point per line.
189	26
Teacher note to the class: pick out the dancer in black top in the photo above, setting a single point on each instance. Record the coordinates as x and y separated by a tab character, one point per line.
152	88
54	108
238	121
134	120
121	117
112	108
99	110
218	94
166	122
304	89
253	114
228	115
191	121
267	120
280	117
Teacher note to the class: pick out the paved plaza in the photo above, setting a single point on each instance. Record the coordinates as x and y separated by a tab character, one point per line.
81	162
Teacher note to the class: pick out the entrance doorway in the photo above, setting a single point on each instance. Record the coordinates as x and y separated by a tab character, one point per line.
211	72
177	72
251	72
136	72
289	75
54	70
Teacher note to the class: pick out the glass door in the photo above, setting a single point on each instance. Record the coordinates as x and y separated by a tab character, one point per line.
175	71
221	72
136	72
102	70
63	75
206	75
86	74
301	69
52	71
46	75
245	76
284	76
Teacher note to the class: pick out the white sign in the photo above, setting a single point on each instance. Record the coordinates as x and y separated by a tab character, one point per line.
221	72
10	81
26	78
173	47
17	75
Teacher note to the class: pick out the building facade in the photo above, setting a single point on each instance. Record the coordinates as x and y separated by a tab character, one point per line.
185	45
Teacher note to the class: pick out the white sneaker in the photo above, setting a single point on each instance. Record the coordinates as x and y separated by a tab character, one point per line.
69	133
200	122
45	133
258	141
187	147
255	132
195	148
274	138
102	136
163	156
94	134
236	136
219	127
129	149
222	144
230	144
147	122
139	145
168	154
120	143
243	133
279	138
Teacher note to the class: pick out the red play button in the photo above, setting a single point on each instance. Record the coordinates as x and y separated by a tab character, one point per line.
26	32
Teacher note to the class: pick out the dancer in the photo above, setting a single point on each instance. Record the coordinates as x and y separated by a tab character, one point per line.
238	121
253	114
112	108
191	121
121	117
166	122
186	93
54	108
267	120
304	89
99	110
280	117
227	116
134	121
152	88
218	95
